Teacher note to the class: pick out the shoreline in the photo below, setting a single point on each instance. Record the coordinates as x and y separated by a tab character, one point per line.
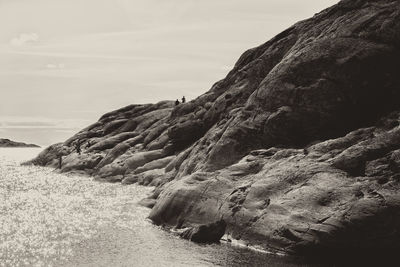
297	148
226	239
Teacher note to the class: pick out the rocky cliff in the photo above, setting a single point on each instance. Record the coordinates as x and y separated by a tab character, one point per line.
297	149
8	143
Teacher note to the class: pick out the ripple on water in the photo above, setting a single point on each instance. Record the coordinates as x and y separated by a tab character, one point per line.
43	215
50	219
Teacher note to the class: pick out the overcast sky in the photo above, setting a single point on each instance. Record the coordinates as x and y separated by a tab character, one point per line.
63	63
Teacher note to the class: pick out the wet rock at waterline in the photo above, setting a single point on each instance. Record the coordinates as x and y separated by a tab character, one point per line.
297	148
208	233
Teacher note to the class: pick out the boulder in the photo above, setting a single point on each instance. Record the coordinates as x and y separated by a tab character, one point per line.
83	161
147	202
152	177
155	164
141	158
206	233
117	151
112	141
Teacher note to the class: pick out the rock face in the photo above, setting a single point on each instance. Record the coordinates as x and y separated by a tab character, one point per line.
8	143
297	149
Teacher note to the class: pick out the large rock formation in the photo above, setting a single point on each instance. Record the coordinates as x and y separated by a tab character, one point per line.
8	143
297	149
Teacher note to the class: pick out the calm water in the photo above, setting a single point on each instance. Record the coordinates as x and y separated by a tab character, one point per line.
50	219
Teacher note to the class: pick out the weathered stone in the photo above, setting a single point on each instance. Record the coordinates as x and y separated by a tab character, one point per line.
155	164
84	161
206	233
141	158
147	202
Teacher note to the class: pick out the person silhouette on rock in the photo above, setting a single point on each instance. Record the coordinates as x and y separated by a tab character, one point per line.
78	146
176	102
60	161
89	144
183	99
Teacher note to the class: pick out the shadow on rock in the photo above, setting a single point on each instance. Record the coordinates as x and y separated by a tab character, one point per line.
206	233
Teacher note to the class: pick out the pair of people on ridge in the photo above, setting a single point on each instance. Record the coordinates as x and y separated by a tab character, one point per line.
183	101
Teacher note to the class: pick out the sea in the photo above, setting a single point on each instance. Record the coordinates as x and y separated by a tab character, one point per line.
53	219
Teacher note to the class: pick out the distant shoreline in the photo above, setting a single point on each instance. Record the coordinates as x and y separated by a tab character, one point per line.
7	143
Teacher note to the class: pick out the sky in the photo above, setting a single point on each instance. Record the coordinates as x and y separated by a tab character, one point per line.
64	63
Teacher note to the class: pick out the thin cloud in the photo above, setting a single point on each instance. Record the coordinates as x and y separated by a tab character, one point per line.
53	66
28	124
24	38
14	122
75	55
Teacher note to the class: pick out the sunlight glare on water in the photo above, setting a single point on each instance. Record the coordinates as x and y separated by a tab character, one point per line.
51	219
43	214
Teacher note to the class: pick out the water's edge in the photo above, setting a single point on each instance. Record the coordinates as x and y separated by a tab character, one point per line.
53	219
